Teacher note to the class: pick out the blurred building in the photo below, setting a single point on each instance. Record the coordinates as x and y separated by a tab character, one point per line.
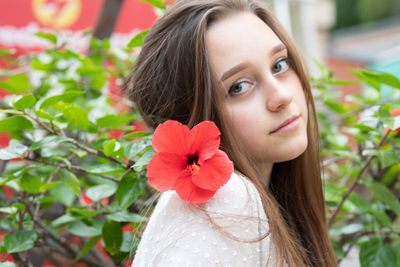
308	22
375	45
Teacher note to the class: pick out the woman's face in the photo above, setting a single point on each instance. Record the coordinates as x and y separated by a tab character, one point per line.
262	95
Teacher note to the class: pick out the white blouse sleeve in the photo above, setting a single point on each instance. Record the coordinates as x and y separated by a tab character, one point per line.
180	234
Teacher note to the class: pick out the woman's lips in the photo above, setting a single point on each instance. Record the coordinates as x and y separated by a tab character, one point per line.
287	125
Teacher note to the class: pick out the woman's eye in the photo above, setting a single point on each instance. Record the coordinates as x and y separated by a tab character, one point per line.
239	88
281	66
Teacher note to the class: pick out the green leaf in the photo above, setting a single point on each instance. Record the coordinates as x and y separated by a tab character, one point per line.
81	229
71	182
341	82
105	169
6	52
388	157
365	78
46	187
136	135
60	158
14	150
381	217
385	117
47	36
98	192
373	254
136	148
43	114
141	164
125	216
19	241
338	248
109	147
10	210
16	84
68	96
391	174
83	211
396	249
66	218
129	242
37	64
112	236
381	192
156	3
376	77
77	117
49	140
63	194
137	40
129	189
25	102
358	200
87	247
113	121
15	123
19	206
30	183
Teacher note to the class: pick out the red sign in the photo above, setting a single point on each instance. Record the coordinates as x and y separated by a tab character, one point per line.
20	19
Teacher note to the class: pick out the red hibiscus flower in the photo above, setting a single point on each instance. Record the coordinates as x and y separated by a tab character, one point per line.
395	112
188	161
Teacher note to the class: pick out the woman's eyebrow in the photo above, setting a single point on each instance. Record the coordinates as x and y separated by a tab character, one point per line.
233	71
276	49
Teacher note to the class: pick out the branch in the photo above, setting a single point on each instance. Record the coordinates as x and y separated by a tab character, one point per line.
98	153
3	166
36	213
44	125
78	168
355	183
76	143
61	241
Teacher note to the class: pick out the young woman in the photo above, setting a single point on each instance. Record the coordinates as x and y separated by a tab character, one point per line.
231	62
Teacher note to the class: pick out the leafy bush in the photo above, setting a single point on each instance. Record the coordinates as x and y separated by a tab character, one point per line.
361	151
74	168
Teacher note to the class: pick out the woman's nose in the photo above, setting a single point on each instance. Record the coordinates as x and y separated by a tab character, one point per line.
278	96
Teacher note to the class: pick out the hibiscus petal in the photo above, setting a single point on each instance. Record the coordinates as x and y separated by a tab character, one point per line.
215	172
163	169
188	191
171	136
205	140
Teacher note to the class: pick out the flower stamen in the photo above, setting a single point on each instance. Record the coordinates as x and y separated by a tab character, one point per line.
193	169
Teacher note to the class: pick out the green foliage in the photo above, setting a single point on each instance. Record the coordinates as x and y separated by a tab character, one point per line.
20	241
113	236
62	131
361	155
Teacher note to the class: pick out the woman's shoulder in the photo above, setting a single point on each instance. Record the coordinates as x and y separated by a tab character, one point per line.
206	233
232	197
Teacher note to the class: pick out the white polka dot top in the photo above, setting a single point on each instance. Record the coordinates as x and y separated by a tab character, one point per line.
179	233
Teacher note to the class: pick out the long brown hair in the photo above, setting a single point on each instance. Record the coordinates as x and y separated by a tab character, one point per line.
172	79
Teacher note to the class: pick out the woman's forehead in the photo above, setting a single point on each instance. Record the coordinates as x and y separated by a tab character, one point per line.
239	38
